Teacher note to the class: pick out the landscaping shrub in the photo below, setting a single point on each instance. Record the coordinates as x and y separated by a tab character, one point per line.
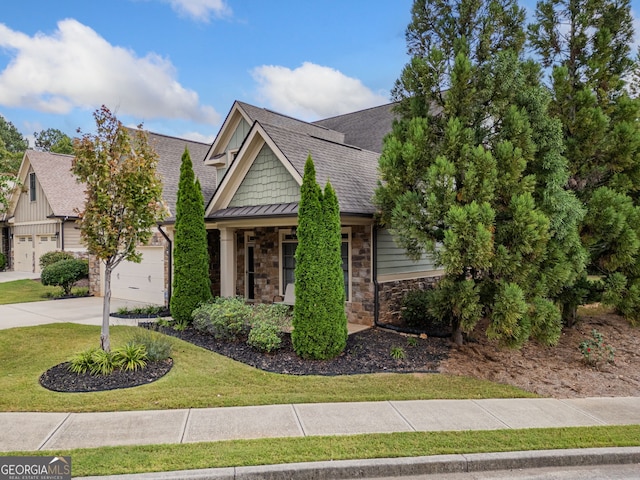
158	347
50	258
417	313
267	326
65	273
191	283
3	261
224	318
131	356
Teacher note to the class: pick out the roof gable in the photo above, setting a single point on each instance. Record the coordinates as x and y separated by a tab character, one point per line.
63	192
267	182
238	170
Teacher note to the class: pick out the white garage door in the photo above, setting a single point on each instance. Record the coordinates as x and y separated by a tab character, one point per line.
143	282
23	253
44	244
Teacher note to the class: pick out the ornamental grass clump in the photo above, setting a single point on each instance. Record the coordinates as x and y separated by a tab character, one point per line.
96	361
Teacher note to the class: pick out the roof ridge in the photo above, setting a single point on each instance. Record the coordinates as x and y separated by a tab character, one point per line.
170	136
351	113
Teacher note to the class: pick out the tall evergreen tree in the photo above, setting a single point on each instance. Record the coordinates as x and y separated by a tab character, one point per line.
473	172
588	45
319	319
334	293
191	282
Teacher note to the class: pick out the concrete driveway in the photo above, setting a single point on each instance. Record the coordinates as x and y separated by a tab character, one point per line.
85	310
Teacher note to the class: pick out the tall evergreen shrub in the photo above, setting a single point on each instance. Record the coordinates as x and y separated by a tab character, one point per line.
191	283
319	319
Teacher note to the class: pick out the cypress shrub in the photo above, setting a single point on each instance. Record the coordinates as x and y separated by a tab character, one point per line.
191	283
332	275
319	320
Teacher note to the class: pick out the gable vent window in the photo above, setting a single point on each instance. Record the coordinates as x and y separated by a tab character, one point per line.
32	187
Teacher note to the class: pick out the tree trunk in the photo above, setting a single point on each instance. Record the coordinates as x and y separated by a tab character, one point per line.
105	342
456	335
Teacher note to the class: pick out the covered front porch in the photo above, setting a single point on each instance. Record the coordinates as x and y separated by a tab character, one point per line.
255	259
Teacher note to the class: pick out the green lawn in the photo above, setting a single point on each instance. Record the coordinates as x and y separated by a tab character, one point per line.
199	379
23	291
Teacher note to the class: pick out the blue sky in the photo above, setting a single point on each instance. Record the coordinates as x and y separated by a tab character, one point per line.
178	65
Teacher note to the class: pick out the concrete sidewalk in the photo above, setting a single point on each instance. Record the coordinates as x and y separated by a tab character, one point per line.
53	432
58	431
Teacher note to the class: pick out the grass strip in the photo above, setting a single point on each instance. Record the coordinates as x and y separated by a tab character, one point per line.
157	458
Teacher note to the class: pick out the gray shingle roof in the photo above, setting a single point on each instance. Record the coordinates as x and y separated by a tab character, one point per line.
65	195
352	171
366	128
265	116
60	186
170	150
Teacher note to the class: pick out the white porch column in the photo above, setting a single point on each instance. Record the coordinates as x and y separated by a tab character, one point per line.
227	262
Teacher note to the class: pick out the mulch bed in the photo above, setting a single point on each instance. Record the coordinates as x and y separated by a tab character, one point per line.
368	351
60	379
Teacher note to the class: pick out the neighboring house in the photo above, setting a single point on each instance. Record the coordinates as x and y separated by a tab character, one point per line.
42	212
252	217
42	217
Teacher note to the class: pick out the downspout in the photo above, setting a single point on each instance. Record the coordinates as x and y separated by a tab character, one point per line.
166	237
61	233
374	273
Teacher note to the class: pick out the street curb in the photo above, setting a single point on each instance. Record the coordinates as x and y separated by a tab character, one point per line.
399	467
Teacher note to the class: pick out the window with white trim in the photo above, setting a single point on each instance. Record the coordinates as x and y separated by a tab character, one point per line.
288	245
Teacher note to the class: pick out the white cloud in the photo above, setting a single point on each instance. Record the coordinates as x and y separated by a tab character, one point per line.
312	91
198	137
200	10
76	67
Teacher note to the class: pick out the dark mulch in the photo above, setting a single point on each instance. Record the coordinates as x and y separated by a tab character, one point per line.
60	379
368	351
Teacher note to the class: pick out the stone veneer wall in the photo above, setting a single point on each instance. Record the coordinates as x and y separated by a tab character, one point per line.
391	295
157	240
360	308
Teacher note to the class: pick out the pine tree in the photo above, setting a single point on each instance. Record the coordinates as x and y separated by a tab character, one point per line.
473	172
587	42
191	282
319	319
